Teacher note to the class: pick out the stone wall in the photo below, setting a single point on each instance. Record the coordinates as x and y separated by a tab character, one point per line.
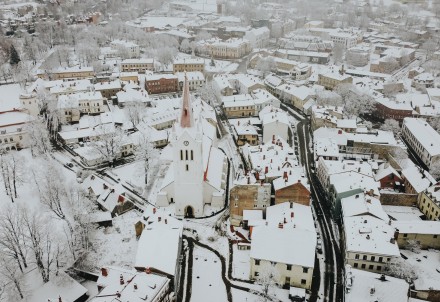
398	199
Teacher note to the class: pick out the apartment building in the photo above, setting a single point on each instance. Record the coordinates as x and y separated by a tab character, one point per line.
73	73
161	83
233	48
13	133
429	202
370	241
188	65
332	79
294	266
74	105
138	65
196	79
422	139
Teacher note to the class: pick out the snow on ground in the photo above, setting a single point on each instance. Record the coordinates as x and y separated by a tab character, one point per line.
207	234
242	296
241	266
206	278
132	173
115	245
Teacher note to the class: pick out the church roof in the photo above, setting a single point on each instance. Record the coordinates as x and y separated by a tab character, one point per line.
186	118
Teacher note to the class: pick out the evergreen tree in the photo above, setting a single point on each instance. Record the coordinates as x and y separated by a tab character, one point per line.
14	58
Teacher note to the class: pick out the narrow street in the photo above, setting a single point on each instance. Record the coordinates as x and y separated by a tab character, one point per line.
333	281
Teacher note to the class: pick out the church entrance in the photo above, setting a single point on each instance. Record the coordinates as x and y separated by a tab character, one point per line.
189	212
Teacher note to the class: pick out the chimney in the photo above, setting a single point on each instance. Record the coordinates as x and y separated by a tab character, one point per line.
104	186
382	278
266	170
392	240
372	290
368	200
104	272
121	199
280	225
292	214
121	279
248	180
118	294
291	204
166	221
135	286
389	221
339	131
257	176
357	196
59	299
159	219
396	234
264	156
154	210
285	175
285	220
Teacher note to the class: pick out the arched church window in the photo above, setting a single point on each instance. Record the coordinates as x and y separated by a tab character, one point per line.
181	154
186	154
192	155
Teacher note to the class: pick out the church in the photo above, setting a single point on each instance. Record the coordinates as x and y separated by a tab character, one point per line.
197	175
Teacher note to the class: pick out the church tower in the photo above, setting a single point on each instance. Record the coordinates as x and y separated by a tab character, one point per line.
188	161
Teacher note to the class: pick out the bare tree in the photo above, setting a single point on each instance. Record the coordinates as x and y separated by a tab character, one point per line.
429	46
38	138
413	246
134	111
266	65
338	54
185	46
44	247
435	170
398	268
109	143
267	278
391	125
144	152
11	274
12	240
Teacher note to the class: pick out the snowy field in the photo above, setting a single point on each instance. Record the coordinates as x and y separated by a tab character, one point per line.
241	266
206	278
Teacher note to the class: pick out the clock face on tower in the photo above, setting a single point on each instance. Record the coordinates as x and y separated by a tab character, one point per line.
186	143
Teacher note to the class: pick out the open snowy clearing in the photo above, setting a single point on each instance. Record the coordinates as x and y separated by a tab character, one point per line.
206	278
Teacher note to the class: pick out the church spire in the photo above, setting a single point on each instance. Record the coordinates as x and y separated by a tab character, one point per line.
186	117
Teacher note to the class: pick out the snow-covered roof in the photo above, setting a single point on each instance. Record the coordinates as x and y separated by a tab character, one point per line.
371	235
385	170
290	214
281	245
348	181
158	247
360	204
418	227
363	286
427	136
148	286
138	61
62	286
9	97
346	123
402	213
419	179
14	118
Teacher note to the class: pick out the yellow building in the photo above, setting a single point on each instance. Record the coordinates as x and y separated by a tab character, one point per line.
429	202
332	79
73	73
423	232
188	65
139	65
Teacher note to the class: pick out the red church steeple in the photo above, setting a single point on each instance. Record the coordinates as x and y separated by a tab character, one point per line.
186	118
